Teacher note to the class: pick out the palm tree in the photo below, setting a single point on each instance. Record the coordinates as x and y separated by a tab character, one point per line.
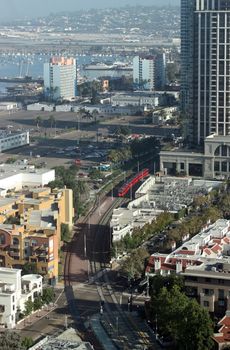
38	121
95	114
52	121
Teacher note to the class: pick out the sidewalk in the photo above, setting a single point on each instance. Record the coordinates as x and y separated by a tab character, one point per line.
101	334
35	316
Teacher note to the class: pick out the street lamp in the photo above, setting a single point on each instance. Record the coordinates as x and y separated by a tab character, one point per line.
117	320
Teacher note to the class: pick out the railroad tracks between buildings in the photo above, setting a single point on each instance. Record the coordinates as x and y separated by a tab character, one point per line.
115	317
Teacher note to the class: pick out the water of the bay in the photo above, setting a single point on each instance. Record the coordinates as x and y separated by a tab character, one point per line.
12	66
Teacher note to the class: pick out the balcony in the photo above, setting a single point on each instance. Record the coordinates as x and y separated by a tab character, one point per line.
13	254
14	246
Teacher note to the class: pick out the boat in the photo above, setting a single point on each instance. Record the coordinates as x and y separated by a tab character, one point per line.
103	66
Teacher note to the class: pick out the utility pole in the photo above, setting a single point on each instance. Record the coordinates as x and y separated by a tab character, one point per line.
147	290
66	322
85	252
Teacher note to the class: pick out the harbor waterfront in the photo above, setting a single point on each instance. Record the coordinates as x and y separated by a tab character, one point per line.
17	65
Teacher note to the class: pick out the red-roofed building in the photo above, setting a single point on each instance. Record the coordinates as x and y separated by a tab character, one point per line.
222	338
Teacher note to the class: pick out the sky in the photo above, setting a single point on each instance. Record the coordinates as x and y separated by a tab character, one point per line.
12	9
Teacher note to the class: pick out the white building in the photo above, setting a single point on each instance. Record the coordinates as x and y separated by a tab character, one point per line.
149	71
135	99
9	140
154	196
60	78
14	292
41	107
8	106
16	176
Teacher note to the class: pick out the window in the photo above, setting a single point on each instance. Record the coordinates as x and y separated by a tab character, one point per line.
221	293
15	241
206	303
208	291
2	239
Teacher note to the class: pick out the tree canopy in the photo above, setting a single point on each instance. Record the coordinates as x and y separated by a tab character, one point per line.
186	322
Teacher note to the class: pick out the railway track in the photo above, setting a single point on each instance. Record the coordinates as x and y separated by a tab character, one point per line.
118	324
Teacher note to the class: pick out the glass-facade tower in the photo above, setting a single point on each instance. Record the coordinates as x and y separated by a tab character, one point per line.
205	68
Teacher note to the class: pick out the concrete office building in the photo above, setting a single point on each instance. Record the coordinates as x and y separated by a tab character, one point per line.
205	88
60	78
149	71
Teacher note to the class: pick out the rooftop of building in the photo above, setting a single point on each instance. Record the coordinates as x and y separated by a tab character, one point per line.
62	61
44	219
8	200
67	340
5	133
8	270
35	201
7	170
39	189
31	278
204	254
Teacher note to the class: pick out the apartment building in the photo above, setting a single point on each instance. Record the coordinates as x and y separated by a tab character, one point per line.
15	290
36	239
60	78
149	71
204	261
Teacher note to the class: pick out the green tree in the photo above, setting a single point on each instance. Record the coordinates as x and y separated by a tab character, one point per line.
95	174
181	318
28	268
134	265
65	233
48	295
10	340
27	342
29	307
13	220
169	282
195	328
38	303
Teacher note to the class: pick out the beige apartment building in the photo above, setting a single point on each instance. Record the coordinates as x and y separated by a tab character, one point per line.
36	238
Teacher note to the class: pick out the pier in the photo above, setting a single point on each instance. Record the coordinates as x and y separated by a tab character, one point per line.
21	80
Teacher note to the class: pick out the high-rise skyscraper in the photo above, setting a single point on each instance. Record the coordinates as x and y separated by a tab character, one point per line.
205	68
60	78
205	91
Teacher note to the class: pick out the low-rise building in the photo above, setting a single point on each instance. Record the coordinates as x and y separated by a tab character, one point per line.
8	106
154	196
16	176
10	140
135	99
66	340
222	338
204	261
210	164
15	290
